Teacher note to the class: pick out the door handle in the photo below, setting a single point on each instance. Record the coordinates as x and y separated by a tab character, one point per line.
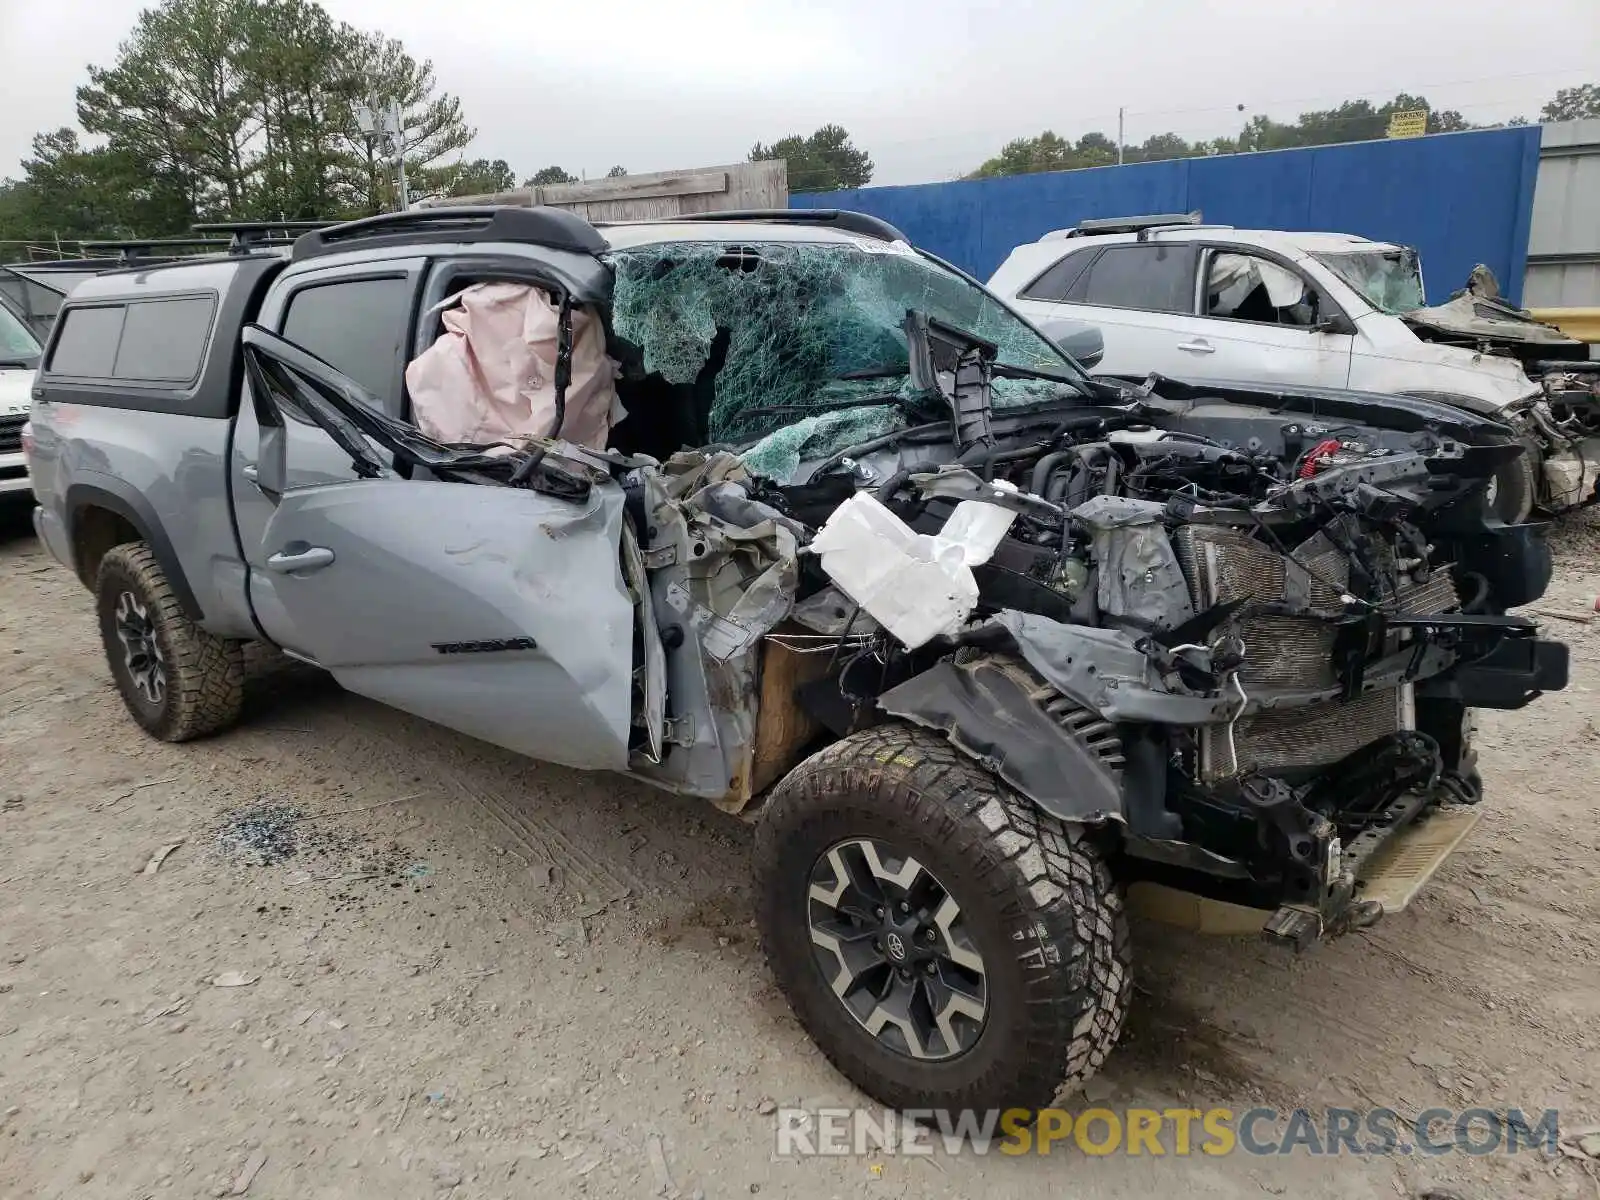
249	471
312	558
1198	346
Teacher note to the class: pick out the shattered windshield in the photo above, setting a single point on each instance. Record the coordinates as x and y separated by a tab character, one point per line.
797	335
1390	280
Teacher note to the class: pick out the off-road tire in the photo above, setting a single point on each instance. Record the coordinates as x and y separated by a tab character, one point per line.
1047	919
204	673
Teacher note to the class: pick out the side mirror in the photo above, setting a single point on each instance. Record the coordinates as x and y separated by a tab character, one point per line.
1084	343
1338	323
270	472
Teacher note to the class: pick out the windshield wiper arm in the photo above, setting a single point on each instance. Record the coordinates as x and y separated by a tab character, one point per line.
884	372
26	364
1007	371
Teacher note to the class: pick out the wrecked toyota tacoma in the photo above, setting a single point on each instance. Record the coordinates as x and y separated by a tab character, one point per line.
774	510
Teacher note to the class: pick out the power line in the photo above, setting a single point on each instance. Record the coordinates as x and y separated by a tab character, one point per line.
1097	122
1371	92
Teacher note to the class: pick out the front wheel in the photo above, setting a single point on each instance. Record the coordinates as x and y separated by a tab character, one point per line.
944	943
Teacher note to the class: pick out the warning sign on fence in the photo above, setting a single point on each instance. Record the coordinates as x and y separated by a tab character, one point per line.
1411	123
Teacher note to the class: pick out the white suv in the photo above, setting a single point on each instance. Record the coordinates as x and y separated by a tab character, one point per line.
19	355
1211	303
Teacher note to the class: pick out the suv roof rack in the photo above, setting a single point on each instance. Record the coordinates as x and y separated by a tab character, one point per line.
244	236
840	218
1143	226
555	228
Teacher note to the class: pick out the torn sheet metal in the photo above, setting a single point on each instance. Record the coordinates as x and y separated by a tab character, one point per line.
1488	320
1140	580
832	613
992	709
1102	670
724	573
650	676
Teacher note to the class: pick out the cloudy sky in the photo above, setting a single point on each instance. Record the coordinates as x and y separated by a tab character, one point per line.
929	87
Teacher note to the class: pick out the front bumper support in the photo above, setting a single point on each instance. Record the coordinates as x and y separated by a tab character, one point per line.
1388	869
1512	675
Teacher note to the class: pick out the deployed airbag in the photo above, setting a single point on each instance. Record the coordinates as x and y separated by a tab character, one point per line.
490	376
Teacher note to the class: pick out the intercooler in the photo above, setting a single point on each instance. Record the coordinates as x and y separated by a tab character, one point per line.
1293	652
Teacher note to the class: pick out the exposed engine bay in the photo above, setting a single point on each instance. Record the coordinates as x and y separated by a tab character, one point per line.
1247	638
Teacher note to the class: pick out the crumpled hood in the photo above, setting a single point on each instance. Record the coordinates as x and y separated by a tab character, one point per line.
1486	320
16	391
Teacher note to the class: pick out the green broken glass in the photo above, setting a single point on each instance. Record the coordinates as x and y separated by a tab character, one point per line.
814	337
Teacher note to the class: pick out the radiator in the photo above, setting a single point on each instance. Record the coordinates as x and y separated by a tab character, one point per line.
1310	736
1283	652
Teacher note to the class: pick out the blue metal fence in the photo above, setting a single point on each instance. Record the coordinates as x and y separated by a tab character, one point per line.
1460	198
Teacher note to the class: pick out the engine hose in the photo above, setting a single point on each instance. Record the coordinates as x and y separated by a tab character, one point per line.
1042	469
1060	484
1479	596
893	484
976	455
982	455
984	463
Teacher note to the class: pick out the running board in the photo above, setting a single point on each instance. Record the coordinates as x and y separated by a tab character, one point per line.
1400	869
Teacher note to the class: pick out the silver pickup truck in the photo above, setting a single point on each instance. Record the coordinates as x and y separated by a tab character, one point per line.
977	641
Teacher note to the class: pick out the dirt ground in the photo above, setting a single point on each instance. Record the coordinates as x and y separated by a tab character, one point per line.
510	979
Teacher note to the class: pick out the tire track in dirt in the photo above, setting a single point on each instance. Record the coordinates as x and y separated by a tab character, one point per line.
598	883
599	874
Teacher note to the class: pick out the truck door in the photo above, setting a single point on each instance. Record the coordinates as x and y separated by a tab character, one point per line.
357	318
497	611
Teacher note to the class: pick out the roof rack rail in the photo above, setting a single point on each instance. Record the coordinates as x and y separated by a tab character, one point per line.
555	228
69	266
146	243
246	235
1143	226
839	218
149	250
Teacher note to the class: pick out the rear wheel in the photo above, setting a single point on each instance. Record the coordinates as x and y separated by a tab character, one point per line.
177	681
944	943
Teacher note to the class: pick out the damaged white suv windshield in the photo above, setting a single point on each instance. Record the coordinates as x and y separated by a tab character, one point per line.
1389	277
